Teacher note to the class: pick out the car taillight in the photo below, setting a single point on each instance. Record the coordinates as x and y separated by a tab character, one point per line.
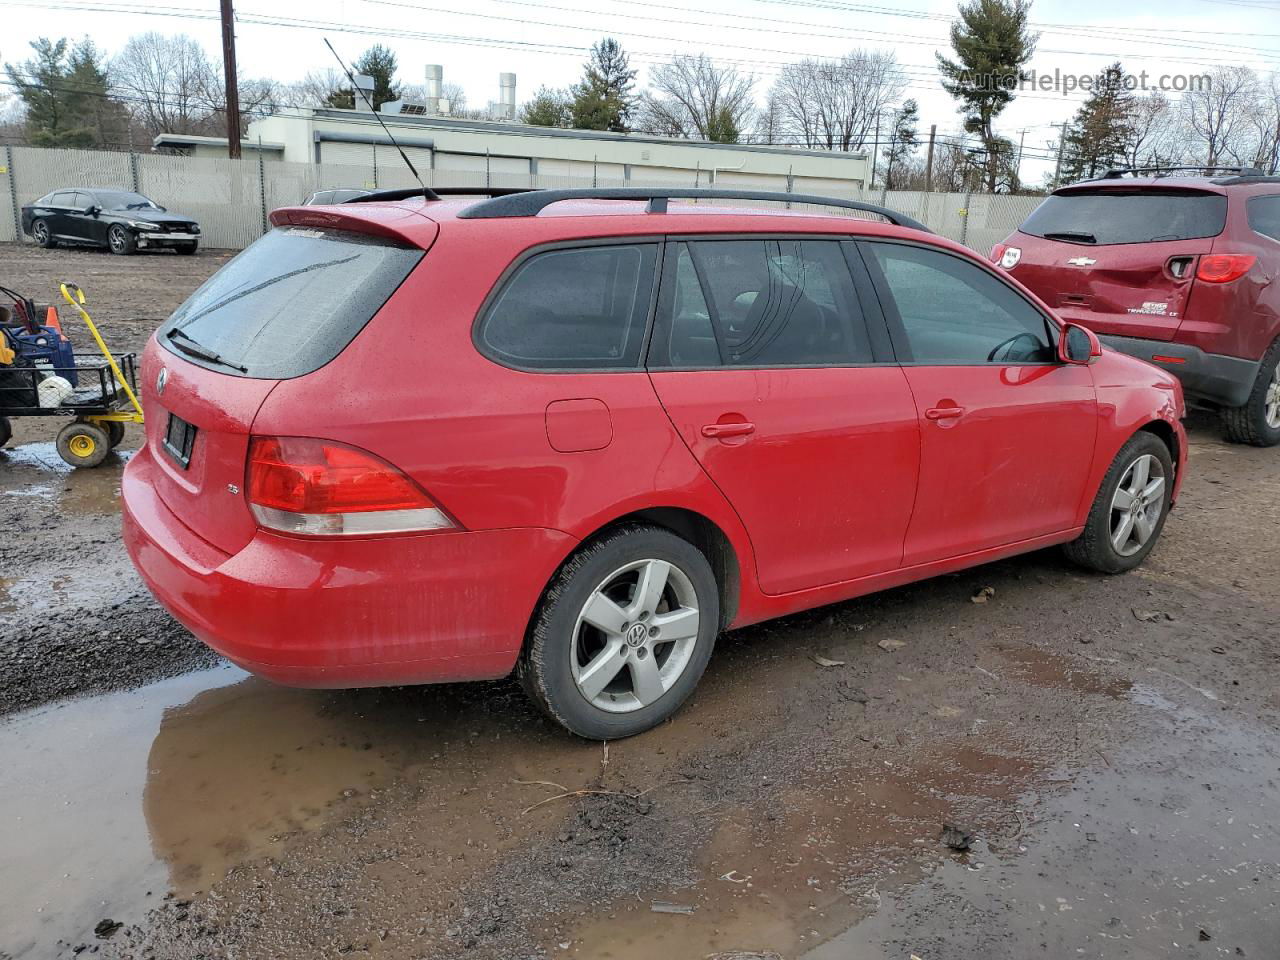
324	488
1006	255
1224	267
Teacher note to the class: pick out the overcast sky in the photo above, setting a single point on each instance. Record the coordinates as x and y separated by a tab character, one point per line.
545	42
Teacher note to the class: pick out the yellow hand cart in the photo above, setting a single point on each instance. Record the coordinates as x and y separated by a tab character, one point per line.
99	393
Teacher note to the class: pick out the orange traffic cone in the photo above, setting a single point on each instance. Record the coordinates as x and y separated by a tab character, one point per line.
51	321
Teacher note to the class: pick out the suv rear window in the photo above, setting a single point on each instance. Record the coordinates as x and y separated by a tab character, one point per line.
1128	216
289	303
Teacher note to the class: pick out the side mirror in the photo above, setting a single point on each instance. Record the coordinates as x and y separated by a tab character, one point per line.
92	211
1078	345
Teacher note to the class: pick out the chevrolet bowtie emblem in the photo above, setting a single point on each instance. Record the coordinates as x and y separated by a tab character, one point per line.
1082	261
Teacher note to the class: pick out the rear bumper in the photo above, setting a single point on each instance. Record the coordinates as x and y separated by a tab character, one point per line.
1214	377
345	613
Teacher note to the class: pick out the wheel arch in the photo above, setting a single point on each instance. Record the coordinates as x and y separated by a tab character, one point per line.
1165	432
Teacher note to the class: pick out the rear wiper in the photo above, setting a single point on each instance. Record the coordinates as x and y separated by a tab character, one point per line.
193	348
1073	235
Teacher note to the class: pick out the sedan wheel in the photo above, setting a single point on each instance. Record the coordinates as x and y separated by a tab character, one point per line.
623	633
1137	505
634	636
40	233
121	241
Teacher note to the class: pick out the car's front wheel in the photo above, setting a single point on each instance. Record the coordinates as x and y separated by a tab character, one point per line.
1129	512
121	241
1257	421
42	235
623	633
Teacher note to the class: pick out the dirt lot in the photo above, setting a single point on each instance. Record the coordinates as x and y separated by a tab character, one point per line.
1109	743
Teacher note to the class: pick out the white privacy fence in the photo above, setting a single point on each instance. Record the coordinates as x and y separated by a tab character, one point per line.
232	198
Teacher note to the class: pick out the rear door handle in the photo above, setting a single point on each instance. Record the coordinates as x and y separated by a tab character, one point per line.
943	413
718	431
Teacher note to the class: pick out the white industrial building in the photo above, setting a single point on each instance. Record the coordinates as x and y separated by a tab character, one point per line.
450	150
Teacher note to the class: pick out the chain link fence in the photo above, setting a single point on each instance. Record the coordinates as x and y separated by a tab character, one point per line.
231	199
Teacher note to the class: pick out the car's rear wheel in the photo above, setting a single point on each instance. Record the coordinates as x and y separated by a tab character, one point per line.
1257	421
1130	510
121	241
623	633
42	235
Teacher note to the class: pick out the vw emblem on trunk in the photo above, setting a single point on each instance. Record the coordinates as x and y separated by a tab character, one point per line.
161	379
1082	261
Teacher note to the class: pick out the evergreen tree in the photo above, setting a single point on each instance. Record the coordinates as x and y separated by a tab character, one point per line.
377	62
602	100
991	44
66	94
1098	136
548	108
903	140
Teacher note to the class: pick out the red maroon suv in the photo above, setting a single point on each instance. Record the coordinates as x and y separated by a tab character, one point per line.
1175	269
578	434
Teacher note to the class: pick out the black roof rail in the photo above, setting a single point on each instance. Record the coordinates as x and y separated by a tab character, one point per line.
436	193
530	203
1116	173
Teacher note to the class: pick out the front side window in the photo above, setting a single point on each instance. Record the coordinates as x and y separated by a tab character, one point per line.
752	303
578	309
1264	216
953	311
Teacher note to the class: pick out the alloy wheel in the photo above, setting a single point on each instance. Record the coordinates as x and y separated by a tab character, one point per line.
1271	401
1137	505
41	232
634	636
116	238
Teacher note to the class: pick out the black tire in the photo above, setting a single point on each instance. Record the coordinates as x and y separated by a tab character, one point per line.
1094	548
1248	423
545	669
42	235
188	249
6	431
115	432
121	240
83	444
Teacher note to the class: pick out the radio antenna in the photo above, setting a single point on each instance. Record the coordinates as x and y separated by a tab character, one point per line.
427	192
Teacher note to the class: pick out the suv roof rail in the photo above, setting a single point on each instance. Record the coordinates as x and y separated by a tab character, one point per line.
436	193
1205	170
529	203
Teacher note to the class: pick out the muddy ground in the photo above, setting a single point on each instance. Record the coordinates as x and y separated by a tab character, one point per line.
1110	744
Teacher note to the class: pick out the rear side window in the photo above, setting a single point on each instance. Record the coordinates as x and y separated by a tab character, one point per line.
1128	216
290	302
580	309
1264	216
751	303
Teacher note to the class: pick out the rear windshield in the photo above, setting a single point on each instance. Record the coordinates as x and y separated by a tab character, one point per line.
1119	216
289	303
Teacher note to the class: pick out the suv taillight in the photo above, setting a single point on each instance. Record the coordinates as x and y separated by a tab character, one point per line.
323	488
1224	267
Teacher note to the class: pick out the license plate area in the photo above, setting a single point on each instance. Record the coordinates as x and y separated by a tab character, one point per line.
179	440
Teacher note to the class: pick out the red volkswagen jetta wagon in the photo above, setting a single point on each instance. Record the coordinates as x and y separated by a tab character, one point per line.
578	433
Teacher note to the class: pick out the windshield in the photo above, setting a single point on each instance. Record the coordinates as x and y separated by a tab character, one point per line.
125	200
1128	216
292	301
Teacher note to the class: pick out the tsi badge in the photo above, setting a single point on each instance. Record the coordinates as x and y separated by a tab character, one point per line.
161	379
1009	259
1082	261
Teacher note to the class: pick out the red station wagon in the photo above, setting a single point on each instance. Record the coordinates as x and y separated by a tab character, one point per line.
1176	269
579	433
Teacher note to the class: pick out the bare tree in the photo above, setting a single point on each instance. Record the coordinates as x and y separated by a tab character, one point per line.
1154	133
169	82
693	97
1266	123
836	104
1217	114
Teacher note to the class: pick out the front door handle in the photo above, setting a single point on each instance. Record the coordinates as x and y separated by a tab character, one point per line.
943	413
718	431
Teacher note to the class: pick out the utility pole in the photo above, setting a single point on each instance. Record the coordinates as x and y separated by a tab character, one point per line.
928	164
1062	142
229	73
1017	169
875	151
